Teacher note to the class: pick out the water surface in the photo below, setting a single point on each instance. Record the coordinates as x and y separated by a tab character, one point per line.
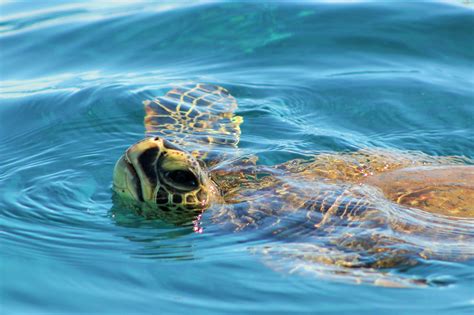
309	77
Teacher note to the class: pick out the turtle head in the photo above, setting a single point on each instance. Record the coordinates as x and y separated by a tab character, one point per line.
162	175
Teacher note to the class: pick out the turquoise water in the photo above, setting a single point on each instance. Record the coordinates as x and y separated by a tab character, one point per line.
309	78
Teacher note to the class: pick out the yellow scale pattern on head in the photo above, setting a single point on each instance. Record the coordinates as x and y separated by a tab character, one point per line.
199	118
172	200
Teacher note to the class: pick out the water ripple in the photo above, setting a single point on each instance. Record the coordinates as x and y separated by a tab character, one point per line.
313	77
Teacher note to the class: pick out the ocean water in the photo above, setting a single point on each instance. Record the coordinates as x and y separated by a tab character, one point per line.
309	77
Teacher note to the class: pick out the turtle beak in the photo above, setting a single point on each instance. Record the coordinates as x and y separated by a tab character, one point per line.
142	157
126	181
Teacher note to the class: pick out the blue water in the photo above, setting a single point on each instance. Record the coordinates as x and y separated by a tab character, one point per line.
308	77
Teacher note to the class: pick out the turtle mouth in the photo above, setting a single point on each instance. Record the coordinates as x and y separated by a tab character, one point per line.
137	184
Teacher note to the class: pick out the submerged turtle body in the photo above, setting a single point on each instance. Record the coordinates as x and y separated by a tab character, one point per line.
346	215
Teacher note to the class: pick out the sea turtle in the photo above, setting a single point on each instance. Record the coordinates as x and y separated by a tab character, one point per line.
341	215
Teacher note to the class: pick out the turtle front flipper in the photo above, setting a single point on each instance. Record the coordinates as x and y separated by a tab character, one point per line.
200	118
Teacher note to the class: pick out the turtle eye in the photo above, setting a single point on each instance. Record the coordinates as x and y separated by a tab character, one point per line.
182	178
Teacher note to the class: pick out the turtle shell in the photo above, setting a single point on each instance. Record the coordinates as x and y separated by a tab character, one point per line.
446	190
